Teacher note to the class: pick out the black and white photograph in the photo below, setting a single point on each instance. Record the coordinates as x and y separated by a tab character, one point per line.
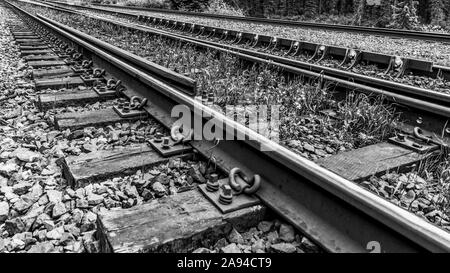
224	135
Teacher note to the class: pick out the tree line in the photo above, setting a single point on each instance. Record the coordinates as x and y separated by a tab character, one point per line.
380	13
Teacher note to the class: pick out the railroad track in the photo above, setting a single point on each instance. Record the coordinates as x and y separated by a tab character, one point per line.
406	79
428	36
308	196
373	44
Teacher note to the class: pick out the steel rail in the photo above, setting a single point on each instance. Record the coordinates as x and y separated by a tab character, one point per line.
335	213
432	102
416	64
396	87
410	34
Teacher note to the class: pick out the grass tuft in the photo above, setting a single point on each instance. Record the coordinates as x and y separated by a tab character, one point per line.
366	119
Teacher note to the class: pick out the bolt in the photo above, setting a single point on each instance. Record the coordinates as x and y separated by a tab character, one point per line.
212	185
165	143
126	108
158	137
401	137
226	195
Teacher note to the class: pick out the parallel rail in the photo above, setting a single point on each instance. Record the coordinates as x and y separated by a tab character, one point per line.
410	34
417	65
336	213
430	103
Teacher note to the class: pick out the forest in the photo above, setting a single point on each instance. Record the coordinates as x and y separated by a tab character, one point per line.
408	14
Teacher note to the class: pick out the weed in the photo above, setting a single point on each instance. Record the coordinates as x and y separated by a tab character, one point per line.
366	119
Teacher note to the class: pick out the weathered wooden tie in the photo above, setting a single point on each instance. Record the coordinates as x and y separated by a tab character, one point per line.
36	52
25	37
60	72
58	83
91	118
178	223
46	63
23	33
33	47
68	98
360	164
40	57
28	40
96	165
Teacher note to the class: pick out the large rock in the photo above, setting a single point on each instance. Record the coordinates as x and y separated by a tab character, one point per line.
21	188
14	226
22	204
82	203
80	193
283	248
131	191
308	147
94	199
40	220
272	237
4	211
66	239
43	247
287	233
40	235
72	229
258	246
77	216
30	217
35	192
265	226
54	196
8	168
49	225
231	248
8	192
195	173
163	179
26	237
58	210
55	234
222	242
16	244
3	182
25	155
235	237
159	189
